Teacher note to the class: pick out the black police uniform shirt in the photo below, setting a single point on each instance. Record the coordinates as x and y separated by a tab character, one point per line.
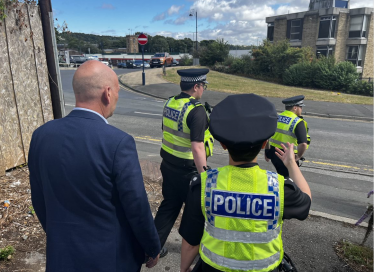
296	205
197	122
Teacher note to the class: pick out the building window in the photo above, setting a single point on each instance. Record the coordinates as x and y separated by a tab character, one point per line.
324	51
327	27
341	4
354	54
295	30
357	26
270	36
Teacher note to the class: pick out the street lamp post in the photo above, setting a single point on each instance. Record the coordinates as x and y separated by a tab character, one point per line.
196	62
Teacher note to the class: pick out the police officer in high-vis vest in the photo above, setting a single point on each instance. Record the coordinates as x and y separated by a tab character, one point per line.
234	214
186	144
291	128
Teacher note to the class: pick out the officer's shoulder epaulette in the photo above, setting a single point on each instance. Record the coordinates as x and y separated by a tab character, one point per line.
195	102
195	180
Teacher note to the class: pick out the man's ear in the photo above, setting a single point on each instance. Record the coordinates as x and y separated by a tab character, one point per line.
223	146
107	94
264	144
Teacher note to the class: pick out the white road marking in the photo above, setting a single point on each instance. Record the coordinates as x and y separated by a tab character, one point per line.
147	113
70	105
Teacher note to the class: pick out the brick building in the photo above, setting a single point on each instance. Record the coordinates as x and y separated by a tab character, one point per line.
330	28
132	44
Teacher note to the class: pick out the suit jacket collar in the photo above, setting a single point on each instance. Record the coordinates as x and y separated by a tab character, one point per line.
85	115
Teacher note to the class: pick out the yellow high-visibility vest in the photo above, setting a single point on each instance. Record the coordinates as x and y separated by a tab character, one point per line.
287	122
176	134
243	210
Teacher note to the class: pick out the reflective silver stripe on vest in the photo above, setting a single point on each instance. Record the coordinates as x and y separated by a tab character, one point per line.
176	132
279	143
176	147
241	236
287	132
240	265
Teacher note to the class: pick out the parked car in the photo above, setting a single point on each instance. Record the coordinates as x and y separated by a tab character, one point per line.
121	64
175	62
130	64
161	59
146	64
77	59
138	64
105	62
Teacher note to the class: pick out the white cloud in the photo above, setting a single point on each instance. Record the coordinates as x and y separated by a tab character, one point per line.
174	9
361	4
239	21
159	17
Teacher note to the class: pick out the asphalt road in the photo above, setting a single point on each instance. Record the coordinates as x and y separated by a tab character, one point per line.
339	166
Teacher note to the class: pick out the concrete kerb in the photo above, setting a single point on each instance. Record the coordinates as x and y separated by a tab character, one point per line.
332	116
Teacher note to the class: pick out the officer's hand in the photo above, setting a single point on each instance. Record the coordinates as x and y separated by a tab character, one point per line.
187	270
287	156
297	157
152	262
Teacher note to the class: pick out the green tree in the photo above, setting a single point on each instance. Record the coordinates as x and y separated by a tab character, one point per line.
159	44
206	42
216	51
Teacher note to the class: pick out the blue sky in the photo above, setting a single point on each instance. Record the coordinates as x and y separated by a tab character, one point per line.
237	21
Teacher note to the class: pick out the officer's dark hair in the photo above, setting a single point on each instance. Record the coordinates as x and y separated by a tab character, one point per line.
289	108
186	86
246	155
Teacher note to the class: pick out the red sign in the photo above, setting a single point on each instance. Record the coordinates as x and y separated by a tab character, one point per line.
142	39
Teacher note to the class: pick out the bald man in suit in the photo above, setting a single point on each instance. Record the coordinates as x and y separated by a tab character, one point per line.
87	187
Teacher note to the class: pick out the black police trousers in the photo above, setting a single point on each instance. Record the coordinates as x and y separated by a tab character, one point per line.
175	187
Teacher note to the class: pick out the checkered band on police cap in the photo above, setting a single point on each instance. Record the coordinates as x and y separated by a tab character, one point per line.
194	79
294	101
193	75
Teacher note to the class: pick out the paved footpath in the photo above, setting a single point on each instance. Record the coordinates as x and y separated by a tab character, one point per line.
309	243
156	86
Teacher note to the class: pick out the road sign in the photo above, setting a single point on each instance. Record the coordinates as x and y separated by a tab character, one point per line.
142	39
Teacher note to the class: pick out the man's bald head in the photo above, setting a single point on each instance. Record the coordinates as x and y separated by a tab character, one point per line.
90	80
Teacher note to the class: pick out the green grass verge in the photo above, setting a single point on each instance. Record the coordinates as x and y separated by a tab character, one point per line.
235	84
359	258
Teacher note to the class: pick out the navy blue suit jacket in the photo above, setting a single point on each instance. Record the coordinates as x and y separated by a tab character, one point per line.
88	193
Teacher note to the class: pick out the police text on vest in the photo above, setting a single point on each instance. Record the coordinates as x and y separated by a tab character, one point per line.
171	114
284	119
243	205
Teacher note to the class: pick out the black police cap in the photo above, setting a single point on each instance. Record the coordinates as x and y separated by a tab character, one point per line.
242	121
193	75
294	101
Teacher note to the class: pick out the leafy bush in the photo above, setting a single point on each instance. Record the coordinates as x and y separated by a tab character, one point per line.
185	61
344	74
300	74
323	73
273	59
361	88
5	252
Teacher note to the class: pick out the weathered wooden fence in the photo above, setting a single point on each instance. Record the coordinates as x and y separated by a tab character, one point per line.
25	100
